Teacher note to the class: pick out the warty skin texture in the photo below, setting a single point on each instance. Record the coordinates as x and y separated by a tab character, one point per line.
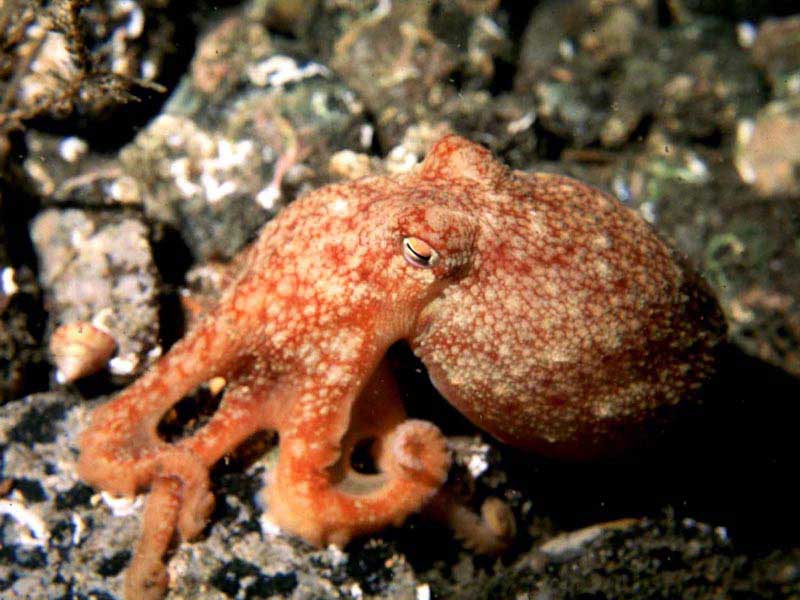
552	316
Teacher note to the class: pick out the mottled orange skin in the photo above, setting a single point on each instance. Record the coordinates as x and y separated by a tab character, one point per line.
554	318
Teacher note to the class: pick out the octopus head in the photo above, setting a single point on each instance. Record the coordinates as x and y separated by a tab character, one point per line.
567	322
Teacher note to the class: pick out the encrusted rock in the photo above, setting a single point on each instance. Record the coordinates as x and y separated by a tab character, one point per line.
248	128
597	71
98	267
768	150
66	170
399	58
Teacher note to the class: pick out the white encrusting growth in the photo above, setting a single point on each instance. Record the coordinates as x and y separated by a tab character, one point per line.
72	149
35	531
7	281
121	506
279	70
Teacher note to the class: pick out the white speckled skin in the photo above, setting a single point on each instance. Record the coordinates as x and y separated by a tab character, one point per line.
575	323
554	318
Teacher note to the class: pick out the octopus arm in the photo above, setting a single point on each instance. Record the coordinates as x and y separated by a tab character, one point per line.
317	493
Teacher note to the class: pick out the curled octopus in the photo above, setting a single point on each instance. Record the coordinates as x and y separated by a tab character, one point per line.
549	314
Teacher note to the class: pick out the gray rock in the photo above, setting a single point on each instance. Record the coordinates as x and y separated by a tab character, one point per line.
65	170
597	73
250	127
59	536
640	560
98	267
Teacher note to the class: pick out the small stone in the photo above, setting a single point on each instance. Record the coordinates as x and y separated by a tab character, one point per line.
568	546
349	165
72	149
768	151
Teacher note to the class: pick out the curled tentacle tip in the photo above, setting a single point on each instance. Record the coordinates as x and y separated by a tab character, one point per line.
419	446
489	533
499	518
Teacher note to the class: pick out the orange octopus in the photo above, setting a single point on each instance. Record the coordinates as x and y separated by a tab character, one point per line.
549	314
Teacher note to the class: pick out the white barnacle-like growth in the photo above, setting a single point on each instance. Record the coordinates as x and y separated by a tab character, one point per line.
37	533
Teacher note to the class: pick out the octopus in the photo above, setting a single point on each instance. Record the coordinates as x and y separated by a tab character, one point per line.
549	314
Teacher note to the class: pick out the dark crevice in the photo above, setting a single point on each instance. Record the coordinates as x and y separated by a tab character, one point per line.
712	140
642	130
251	450
23	364
421	399
18	205
188	415
504	73
519	14
97	384
103	211
362	459
739	10
713	464
548	145
171	320
516	15
172	255
172	259
664	14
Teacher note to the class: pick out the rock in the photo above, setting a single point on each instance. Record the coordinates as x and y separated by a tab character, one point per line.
768	150
401	56
565	46
569	546
776	50
98	267
598	72
638	560
710	83
66	170
249	128
203	184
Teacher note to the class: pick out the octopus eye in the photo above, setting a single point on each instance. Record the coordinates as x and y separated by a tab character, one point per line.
419	253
